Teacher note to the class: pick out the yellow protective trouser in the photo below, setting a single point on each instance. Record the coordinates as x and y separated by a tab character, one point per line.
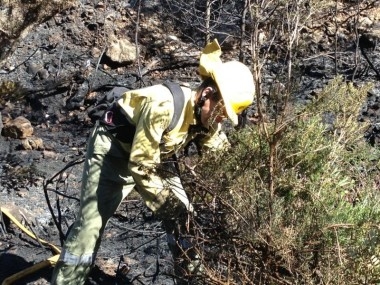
106	182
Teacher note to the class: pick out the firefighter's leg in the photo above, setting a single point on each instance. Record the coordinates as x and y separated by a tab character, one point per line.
105	183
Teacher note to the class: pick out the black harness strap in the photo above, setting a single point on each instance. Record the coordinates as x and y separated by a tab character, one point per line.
179	101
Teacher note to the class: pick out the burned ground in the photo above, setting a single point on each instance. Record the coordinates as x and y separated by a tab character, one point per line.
55	71
133	237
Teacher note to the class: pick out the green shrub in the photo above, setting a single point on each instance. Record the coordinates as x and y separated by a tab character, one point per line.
296	202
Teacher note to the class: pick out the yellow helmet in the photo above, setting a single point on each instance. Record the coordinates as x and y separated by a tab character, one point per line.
236	86
234	80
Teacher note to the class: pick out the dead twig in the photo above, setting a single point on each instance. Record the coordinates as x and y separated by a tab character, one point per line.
17	66
137	40
2	224
370	63
127	229
31	228
60	60
100	58
45	187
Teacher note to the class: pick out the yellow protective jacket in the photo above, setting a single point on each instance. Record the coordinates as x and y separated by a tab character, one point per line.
151	109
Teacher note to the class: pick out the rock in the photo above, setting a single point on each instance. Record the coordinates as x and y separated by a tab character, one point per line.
42	74
19	17
121	50
18	128
365	24
32	143
32	69
95	52
375	31
49	154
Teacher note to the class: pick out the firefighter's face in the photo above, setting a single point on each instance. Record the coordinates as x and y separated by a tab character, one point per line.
213	110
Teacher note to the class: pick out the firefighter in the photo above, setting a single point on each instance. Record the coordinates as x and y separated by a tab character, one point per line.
119	161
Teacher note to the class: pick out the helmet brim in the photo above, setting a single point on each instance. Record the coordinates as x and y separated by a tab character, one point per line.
234	79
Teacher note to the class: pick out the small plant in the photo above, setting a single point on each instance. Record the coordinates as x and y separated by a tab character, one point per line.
296	202
11	91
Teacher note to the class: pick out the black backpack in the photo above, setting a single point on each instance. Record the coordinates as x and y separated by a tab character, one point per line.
120	126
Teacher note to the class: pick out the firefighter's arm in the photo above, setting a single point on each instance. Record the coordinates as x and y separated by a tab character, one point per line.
153	185
144	158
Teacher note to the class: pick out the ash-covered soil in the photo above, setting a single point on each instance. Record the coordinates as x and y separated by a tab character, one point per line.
133	238
56	67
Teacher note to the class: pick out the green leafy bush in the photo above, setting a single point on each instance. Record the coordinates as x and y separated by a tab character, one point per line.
294	201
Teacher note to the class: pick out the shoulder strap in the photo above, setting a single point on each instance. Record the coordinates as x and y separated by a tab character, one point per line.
179	101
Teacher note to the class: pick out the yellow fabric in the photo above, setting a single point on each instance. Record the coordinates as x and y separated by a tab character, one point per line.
28	232
151	109
210	59
51	261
